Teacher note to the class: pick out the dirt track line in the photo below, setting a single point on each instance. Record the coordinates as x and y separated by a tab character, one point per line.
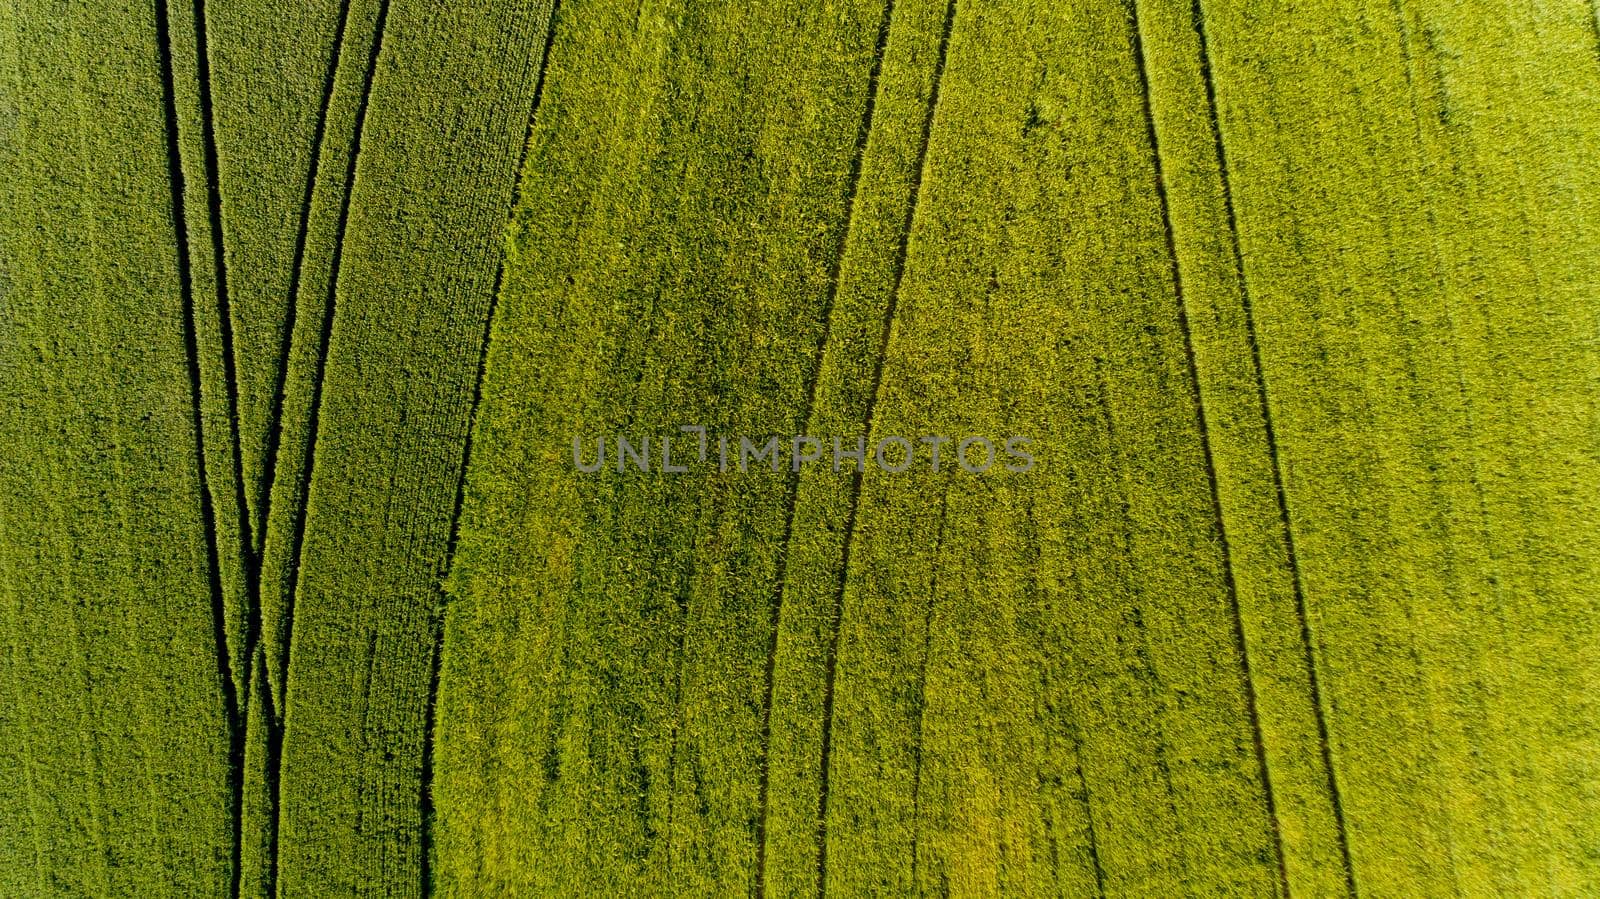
863	133
1193	372
832	661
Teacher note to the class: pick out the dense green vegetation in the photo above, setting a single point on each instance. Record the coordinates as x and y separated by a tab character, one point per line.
114	724
221	220
303	305
1236	637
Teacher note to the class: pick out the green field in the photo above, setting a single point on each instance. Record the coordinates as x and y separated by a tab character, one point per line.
1295	309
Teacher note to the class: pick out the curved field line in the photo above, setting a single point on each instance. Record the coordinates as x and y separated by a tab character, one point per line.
276	731
1193	373
230	697
863	132
1281	493
275	432
832	661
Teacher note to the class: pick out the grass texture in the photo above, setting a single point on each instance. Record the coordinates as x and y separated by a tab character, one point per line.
303	304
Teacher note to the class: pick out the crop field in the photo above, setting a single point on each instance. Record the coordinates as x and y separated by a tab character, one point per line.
800	447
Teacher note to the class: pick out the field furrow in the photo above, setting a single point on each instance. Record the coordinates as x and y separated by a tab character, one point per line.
312	298
179	34
891	297
847	381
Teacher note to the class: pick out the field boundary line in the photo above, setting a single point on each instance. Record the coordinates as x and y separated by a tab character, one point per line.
494	297
863	136
230	699
832	661
437	636
1193	371
1278	483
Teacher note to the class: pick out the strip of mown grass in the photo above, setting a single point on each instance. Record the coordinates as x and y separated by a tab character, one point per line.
115	774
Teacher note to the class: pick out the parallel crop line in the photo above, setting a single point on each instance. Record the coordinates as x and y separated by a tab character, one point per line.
25	747
1279	489
268	714
832	661
248	548
922	688
275	431
91	738
276	732
8	590
1088	815
85	644
436	648
29	763
863	133
1193	371
230	699
1124	540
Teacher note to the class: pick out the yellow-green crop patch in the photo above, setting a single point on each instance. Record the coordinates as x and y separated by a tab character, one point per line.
800	447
